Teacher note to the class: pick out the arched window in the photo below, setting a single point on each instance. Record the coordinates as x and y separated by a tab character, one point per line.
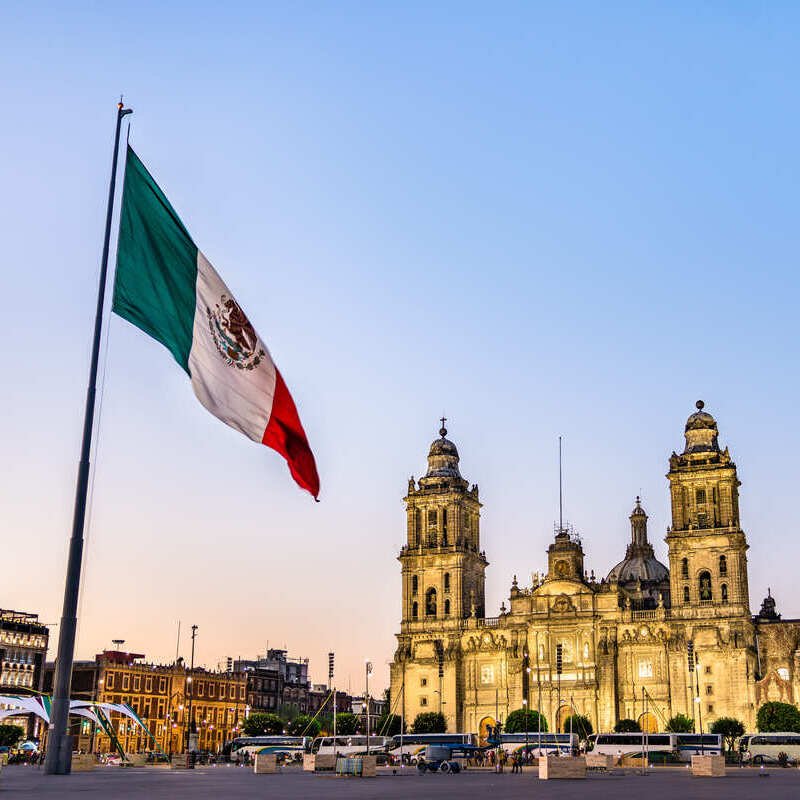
724	591
723	565
684	568
685	594
414	584
430	602
447	581
447	608
414	610
704	586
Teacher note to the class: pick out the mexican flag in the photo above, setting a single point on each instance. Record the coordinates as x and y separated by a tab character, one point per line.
168	288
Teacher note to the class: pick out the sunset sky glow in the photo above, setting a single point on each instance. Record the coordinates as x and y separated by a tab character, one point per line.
540	220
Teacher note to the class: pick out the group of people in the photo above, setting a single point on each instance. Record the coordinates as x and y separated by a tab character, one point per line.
498	759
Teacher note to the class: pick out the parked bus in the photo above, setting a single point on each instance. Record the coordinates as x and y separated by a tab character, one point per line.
349	745
414	744
629	744
695	744
544	744
681	746
763	748
288	748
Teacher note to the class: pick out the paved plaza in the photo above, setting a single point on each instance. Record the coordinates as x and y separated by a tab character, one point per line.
231	782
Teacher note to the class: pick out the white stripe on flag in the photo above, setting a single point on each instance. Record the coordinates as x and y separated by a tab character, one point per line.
240	397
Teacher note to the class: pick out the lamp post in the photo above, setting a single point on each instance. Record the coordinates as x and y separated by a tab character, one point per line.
525	708
190	693
367	672
527	712
699	702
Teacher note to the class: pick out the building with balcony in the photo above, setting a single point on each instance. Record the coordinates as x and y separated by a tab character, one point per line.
23	649
171	699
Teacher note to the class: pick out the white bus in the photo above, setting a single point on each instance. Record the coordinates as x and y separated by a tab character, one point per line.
673	746
414	744
695	744
349	745
289	748
544	744
763	748
632	744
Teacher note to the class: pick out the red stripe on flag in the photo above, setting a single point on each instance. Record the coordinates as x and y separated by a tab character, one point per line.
285	433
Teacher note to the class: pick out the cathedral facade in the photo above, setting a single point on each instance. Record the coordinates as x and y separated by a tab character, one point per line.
645	642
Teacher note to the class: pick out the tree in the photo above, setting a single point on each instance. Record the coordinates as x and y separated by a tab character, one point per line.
729	729
304	725
259	724
10	735
680	723
774	716
346	724
523	720
430	722
627	726
388	725
578	724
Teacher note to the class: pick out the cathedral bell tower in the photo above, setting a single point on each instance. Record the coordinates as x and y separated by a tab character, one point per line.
707	547
443	566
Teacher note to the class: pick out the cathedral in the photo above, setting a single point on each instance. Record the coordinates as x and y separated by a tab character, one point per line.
645	642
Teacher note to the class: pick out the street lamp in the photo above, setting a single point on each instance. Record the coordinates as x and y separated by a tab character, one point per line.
367	672
525	709
526	703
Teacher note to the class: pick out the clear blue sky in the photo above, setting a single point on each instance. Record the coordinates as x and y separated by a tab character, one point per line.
541	219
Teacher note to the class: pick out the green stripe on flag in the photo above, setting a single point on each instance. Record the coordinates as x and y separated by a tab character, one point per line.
155	285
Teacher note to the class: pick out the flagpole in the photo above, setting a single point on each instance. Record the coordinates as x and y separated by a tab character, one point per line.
58	760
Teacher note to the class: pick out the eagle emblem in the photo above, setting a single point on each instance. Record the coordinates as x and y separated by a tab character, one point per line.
233	335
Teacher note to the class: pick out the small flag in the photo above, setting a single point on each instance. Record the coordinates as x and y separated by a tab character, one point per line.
167	287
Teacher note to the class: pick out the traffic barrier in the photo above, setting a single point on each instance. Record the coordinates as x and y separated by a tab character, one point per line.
182	761
558	768
319	763
359	767
708	766
265	764
599	761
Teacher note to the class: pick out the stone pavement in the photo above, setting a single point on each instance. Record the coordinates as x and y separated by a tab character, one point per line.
111	783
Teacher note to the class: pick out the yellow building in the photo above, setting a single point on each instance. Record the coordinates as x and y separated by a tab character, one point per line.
612	648
160	695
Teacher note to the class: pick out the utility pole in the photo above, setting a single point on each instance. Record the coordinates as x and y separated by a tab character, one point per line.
190	728
367	671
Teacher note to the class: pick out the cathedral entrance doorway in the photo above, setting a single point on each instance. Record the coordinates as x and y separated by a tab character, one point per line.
562	716
648	723
483	730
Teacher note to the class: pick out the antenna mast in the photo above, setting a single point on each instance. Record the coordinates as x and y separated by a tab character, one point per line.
560	492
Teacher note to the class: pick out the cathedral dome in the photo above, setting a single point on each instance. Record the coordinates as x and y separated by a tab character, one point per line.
701	420
701	431
443	457
639	567
640	563
443	447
